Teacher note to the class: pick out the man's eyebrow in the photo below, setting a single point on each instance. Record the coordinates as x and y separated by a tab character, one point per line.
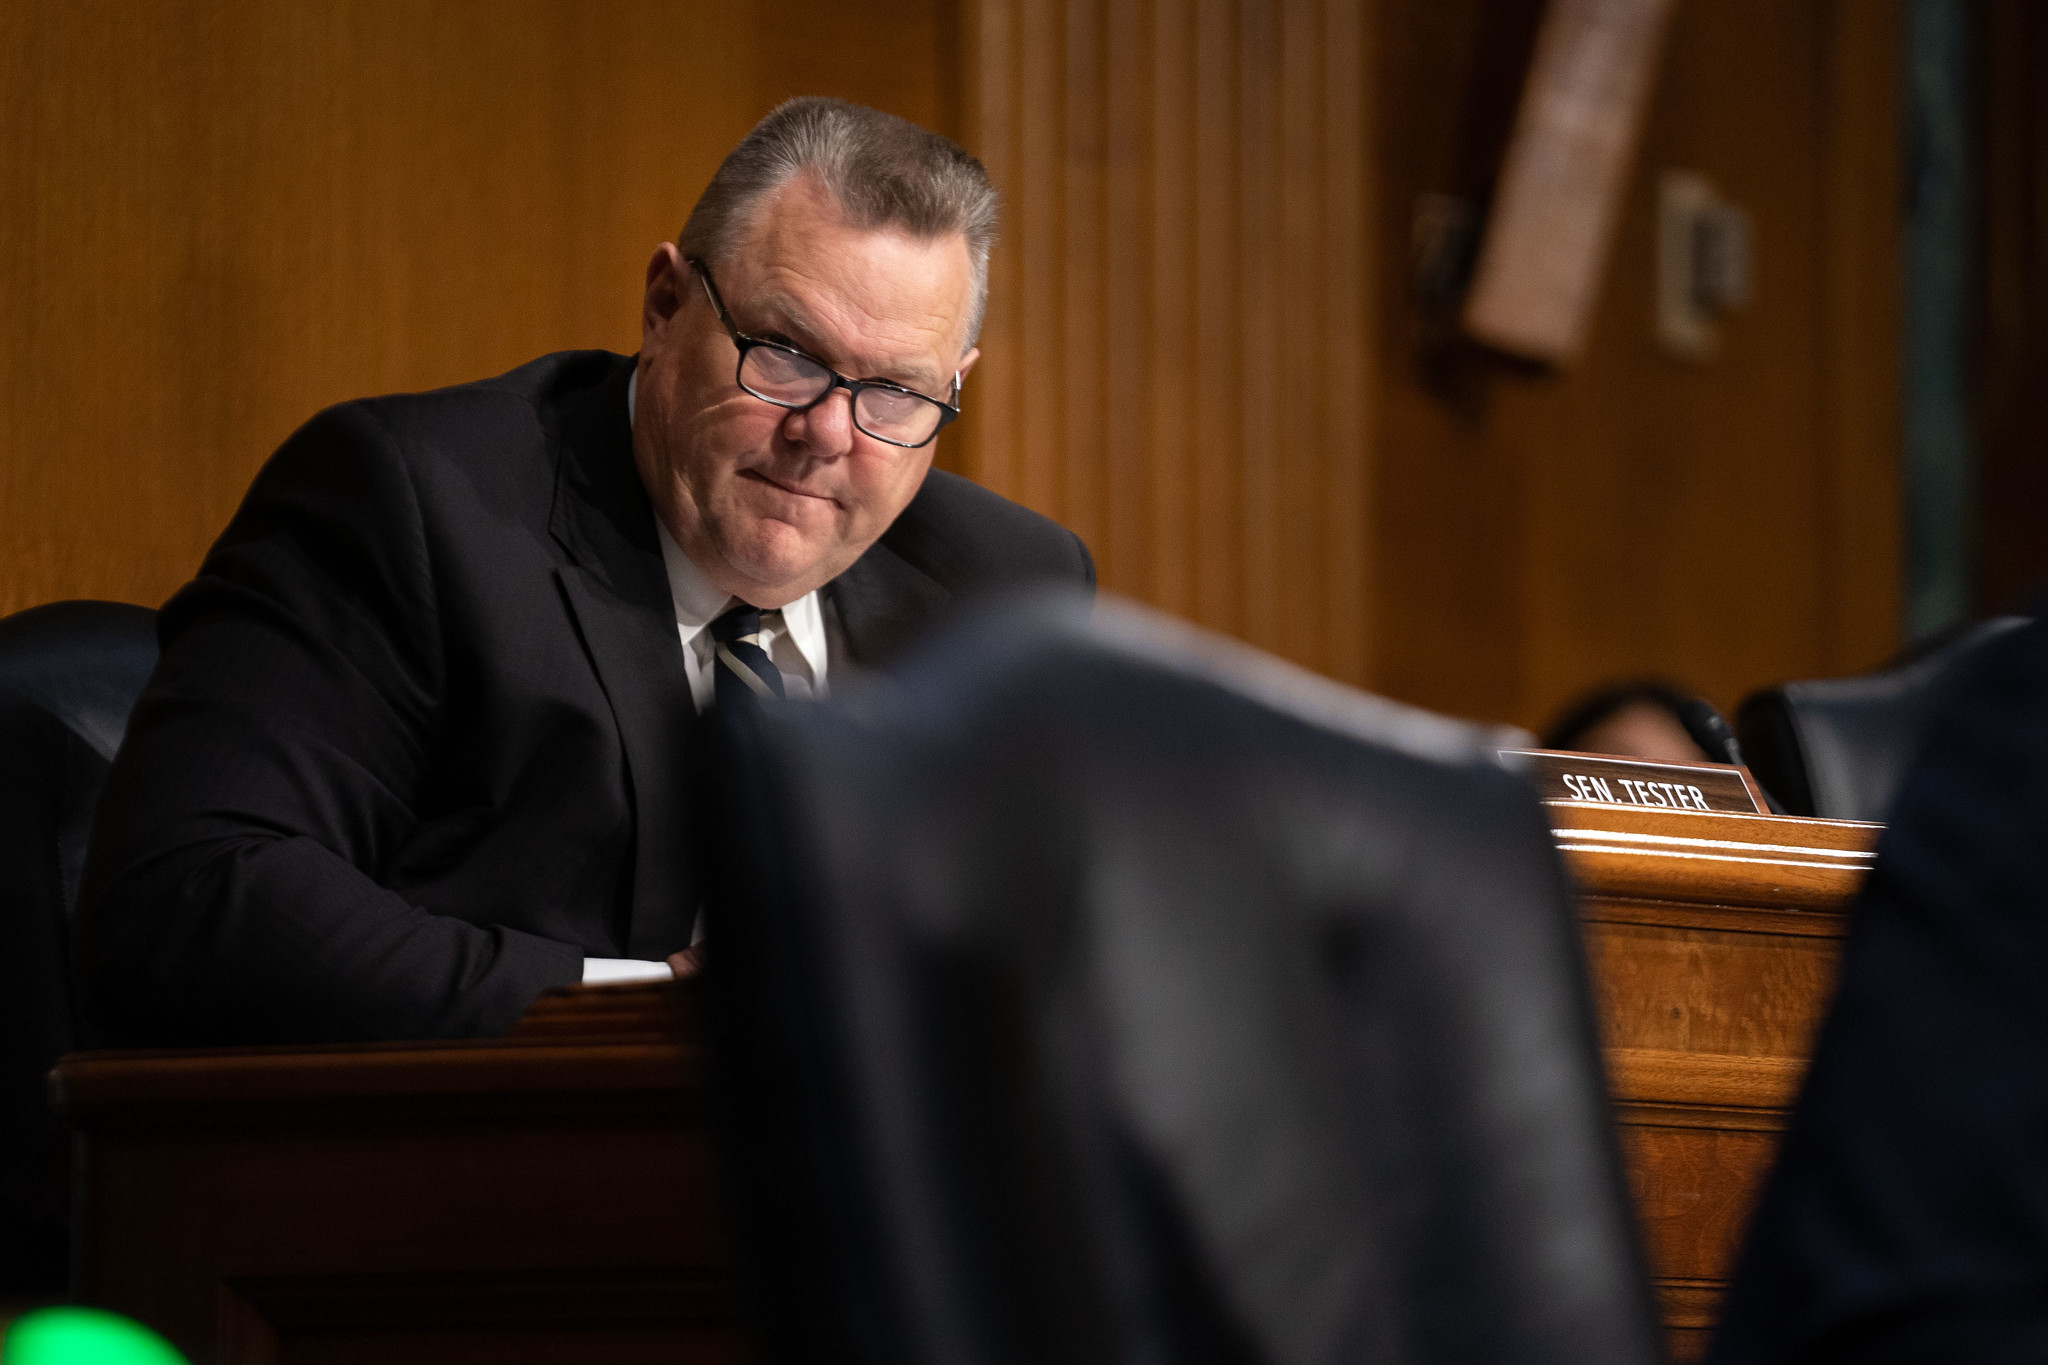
784	314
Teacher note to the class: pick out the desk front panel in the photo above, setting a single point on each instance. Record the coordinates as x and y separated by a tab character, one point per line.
534	1199
1713	942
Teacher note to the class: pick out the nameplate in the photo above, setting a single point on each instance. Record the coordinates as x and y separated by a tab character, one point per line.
1590	778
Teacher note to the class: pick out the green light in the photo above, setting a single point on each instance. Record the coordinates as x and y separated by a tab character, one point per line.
83	1336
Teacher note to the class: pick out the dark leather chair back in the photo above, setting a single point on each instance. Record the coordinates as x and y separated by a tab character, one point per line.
1094	991
69	674
1838	748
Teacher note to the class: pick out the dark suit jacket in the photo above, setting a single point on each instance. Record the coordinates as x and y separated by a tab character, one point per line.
1907	1219
420	737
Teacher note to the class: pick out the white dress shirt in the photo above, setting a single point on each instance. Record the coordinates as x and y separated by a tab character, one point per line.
795	638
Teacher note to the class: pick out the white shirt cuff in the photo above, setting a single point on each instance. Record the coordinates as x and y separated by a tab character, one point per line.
609	971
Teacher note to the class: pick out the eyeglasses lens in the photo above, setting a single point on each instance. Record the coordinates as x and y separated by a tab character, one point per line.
895	416
781	377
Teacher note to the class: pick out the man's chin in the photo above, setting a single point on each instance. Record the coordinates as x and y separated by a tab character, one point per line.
778	570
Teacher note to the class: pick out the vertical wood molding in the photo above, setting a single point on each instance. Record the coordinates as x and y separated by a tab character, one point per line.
1860	537
1175	356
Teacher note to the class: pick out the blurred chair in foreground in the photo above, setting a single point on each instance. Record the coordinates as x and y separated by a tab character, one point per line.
1907	1219
1839	747
1103	992
69	673
1644	718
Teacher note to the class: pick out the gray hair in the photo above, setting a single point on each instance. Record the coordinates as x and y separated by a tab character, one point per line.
884	172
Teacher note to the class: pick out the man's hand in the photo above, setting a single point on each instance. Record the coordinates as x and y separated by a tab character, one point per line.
685	964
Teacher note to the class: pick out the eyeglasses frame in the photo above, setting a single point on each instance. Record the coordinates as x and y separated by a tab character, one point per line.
745	343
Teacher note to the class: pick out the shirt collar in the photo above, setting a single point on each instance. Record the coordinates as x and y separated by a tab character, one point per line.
697	601
806	623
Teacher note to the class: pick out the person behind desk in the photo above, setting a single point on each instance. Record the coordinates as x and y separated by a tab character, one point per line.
1643	718
418	747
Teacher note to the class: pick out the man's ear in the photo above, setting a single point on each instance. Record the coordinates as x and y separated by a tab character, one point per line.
668	277
967	361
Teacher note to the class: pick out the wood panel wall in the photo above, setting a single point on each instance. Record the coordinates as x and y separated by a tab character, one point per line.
1207	350
1727	524
218	216
1205	195
1176	348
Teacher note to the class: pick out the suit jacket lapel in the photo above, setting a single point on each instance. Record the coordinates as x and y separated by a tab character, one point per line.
617	591
882	602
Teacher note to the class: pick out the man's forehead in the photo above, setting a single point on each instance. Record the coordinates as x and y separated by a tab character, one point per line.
879	297
861	335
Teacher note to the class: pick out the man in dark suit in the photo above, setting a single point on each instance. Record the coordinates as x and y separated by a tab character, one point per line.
1907	1219
419	744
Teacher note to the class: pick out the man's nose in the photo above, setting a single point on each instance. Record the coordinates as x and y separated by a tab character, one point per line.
826	430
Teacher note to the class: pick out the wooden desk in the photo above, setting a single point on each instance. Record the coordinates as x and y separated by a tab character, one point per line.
1713	941
546	1197
550	1196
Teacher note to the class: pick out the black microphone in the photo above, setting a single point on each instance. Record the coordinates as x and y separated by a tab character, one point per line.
1709	730
1716	738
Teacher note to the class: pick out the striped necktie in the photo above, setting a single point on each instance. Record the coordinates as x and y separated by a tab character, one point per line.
741	668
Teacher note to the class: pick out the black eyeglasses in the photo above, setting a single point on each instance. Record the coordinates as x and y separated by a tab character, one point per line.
781	374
